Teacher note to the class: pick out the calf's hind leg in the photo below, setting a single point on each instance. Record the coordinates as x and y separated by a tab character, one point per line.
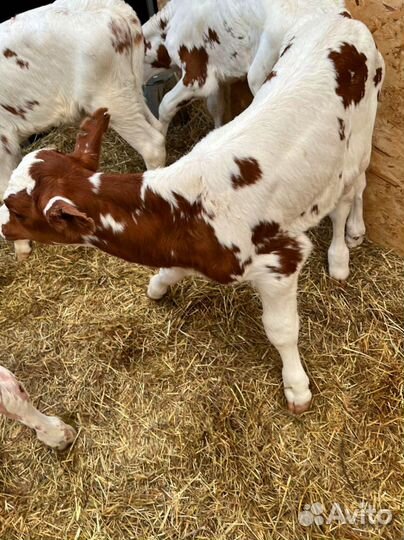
356	229
338	252
281	321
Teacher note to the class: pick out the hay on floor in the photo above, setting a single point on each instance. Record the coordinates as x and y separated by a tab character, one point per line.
183	431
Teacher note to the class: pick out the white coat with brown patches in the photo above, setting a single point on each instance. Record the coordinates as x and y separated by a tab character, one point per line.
68	58
217	42
237	207
15	404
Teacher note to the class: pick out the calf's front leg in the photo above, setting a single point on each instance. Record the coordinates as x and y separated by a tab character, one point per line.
281	322
15	404
160	283
22	249
10	156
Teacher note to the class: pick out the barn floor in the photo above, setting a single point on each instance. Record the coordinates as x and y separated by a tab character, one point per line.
183	431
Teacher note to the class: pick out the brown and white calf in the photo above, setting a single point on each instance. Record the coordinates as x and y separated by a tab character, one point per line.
237	207
215	42
70	57
15	404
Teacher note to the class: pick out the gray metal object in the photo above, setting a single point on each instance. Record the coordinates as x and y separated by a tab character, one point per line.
150	7
156	87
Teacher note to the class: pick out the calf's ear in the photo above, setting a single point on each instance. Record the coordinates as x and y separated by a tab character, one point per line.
89	140
65	218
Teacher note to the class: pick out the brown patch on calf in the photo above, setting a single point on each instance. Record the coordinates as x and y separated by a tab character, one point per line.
195	63
31	104
378	76
314	209
147	44
211	37
351	74
288	46
163	24
138	39
238	97
346	14
19	111
163	58
247	262
341	130
121	37
8	53
268	238
250	173
22	63
6	144
271	76
190	237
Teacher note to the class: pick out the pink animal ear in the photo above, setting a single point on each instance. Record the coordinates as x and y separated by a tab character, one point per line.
89	140
67	219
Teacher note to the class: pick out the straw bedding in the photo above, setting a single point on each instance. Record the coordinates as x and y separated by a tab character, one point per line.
183	431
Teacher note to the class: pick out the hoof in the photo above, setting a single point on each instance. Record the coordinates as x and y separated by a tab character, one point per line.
298	398
69	435
298	409
354	241
21	257
154	297
56	434
339	274
22	249
156	291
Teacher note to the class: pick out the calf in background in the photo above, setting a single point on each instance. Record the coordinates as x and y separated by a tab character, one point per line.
215	43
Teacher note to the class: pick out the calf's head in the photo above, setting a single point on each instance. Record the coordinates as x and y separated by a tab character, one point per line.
43	199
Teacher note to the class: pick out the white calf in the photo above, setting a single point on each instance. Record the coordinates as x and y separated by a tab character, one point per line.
15	404
68	58
237	207
216	42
